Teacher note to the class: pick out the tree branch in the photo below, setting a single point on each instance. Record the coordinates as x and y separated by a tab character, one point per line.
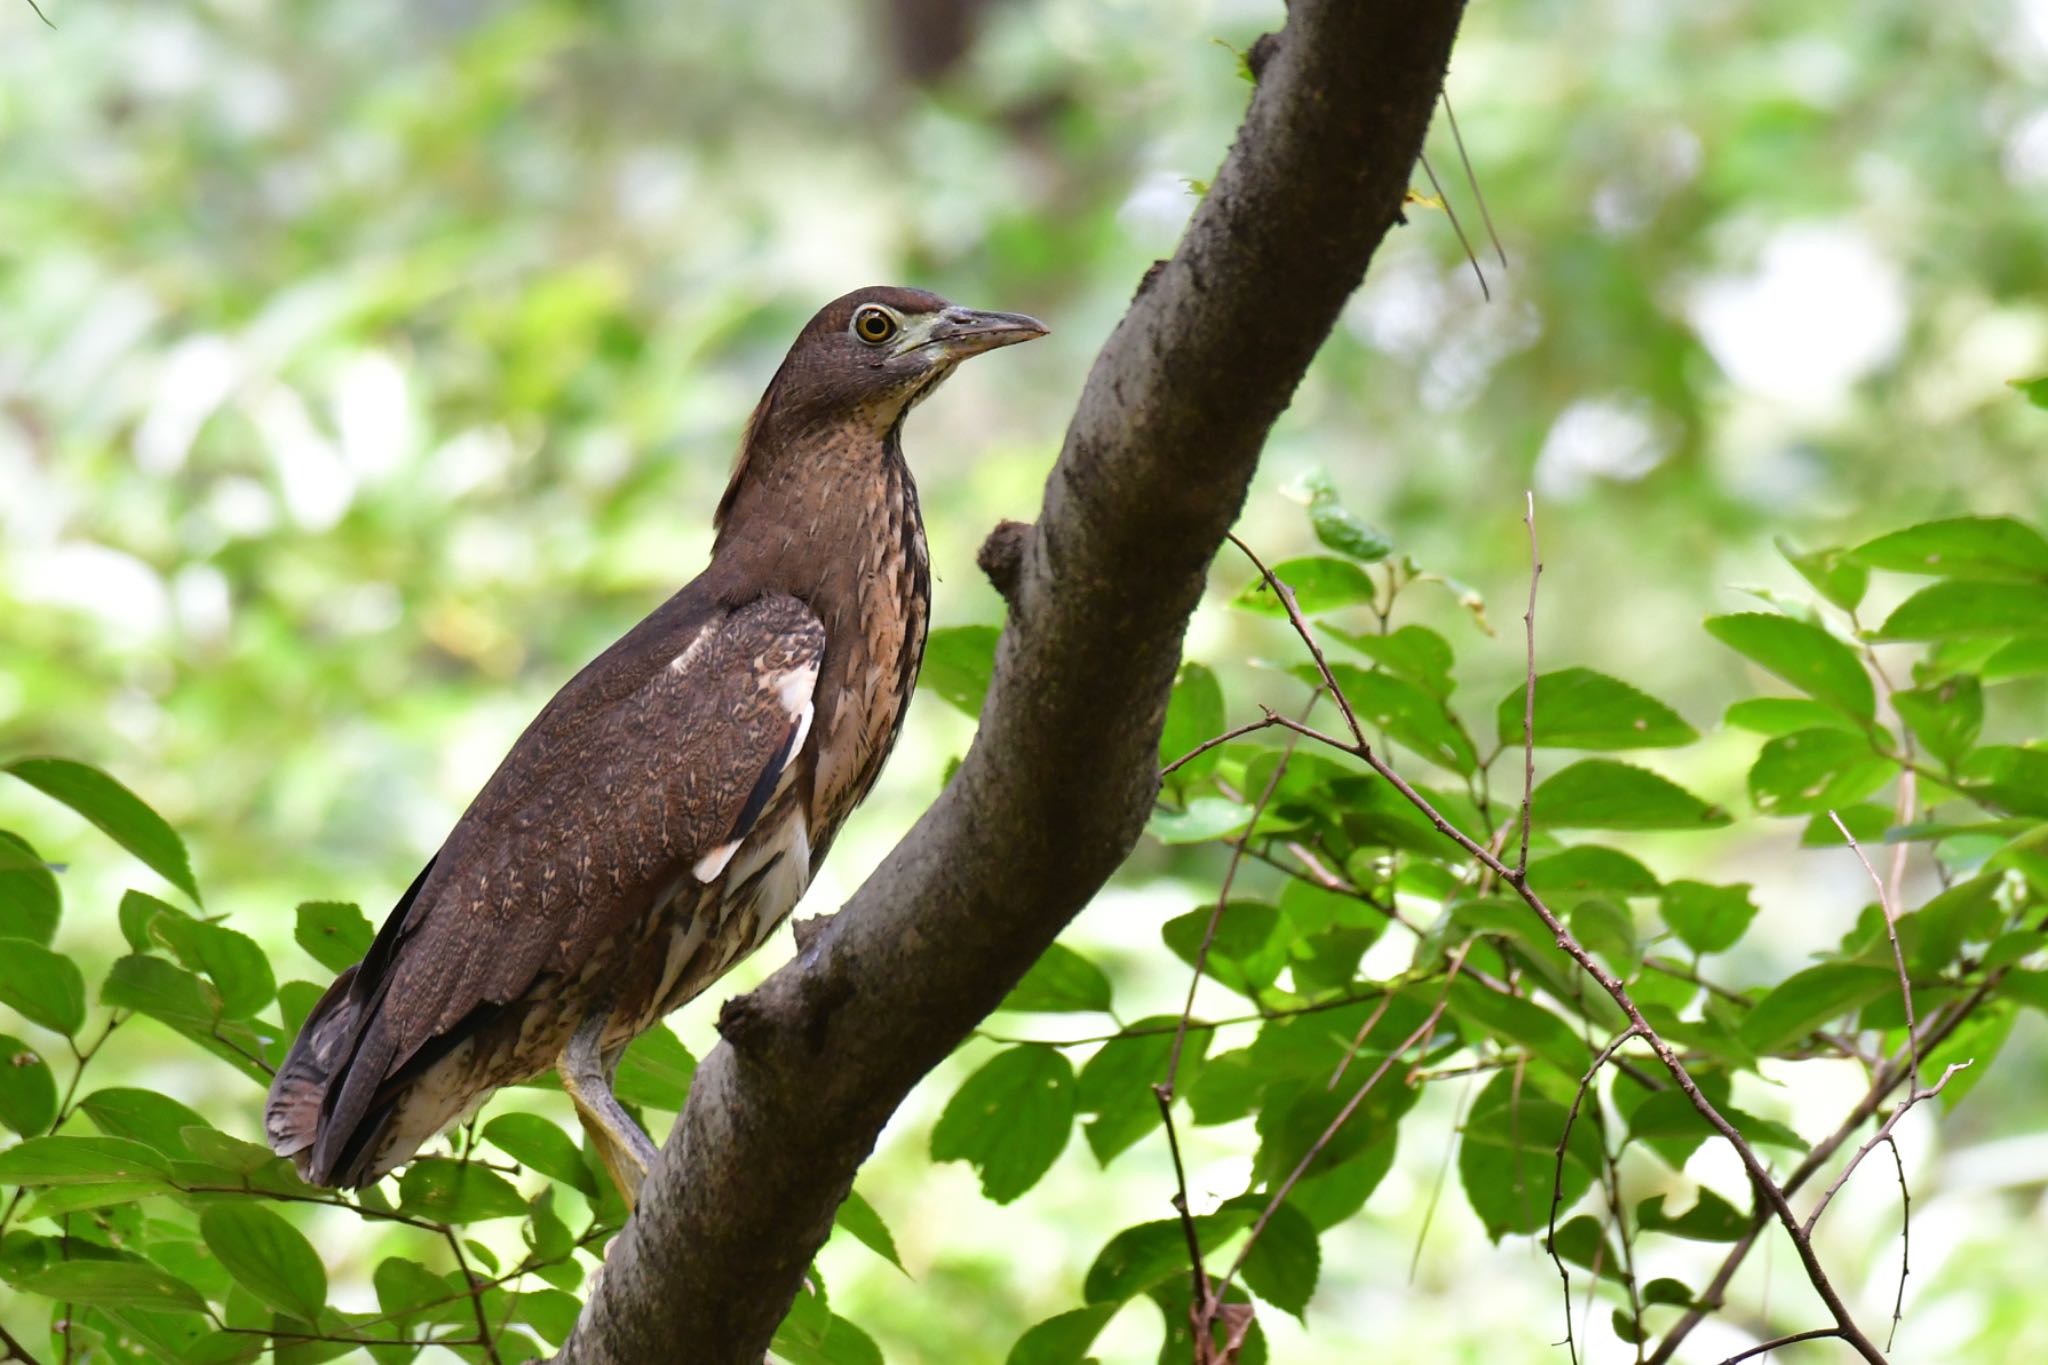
1056	788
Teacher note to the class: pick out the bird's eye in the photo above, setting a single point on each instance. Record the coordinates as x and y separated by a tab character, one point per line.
874	325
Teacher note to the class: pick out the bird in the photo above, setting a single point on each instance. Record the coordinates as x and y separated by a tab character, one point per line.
665	811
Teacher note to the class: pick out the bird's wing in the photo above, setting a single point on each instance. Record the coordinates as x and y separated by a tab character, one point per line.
661	752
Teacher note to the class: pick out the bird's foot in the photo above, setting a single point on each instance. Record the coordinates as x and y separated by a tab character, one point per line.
626	1151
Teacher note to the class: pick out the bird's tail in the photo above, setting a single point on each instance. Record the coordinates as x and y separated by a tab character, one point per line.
299	1092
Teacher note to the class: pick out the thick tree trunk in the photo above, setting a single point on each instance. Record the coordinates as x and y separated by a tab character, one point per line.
1054	792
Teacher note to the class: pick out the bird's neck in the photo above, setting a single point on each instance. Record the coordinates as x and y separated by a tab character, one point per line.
829	516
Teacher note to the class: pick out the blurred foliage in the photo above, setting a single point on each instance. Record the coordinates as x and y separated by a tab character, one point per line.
368	367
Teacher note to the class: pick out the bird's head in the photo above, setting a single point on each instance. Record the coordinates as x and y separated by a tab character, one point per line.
868	357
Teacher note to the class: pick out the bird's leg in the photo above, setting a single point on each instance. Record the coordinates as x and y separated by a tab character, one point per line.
626	1151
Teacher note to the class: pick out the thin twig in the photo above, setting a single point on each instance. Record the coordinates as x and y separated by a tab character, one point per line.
476	1295
1315	648
1817	1334
15	1350
1888	1078
1891	932
1456	226
1883	1134
1557	1179
1472	179
1206	745
1443	1170
1529	688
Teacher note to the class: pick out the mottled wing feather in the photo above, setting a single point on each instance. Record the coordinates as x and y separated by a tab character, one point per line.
648	759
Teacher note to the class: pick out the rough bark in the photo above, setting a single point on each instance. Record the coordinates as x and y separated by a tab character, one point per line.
1057	786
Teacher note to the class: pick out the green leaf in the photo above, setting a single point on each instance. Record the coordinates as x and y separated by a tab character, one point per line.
1710	1219
813	1334
267	1256
1063	1339
1802	654
1669	1114
1297	1115
1139	1257
1116	1083
30	903
1607	929
1508	1158
861	1221
72	1160
1599	793
1248	951
447	1191
2007	777
1577	708
1666	1290
1194	715
42	986
1869	821
1010	1120
118	812
1783	715
1416	653
1836	573
1708	919
959	661
1808	999
144	1116
1518	1021
1319	583
1205	818
28	1094
334	932
1590	868
1946	716
1339	529
656	1071
1956	609
113	1284
540	1145
2022	658
1809	771
2034	390
237	967
1407	713
1581	1241
138	914
1060	982
551	1313
173	996
1284	1263
1997	548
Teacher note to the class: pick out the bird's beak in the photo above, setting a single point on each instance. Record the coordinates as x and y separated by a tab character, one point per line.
962	332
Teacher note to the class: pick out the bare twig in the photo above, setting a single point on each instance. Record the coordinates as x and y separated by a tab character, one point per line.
1891	932
1472	179
1456	226
1529	690
1888	1078
1315	649
15	1350
1206	745
1883	1134
1764	1348
1905	1241
476	1296
1557	1178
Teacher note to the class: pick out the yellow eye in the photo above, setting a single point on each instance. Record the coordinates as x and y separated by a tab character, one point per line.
874	325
